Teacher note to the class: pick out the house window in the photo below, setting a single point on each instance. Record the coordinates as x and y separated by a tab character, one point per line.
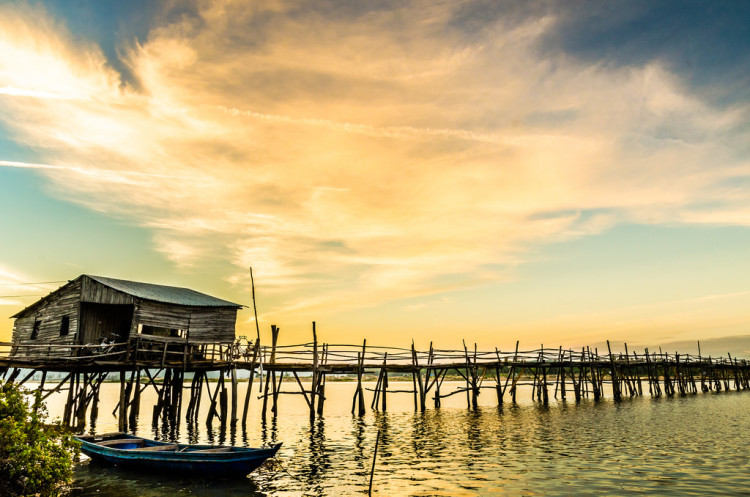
65	326
35	330
161	331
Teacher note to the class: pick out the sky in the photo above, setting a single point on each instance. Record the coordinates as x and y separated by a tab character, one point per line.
554	172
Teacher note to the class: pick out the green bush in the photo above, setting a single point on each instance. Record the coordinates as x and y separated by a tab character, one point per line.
35	458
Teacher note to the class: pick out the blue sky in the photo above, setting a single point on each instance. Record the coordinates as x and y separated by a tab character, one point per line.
557	172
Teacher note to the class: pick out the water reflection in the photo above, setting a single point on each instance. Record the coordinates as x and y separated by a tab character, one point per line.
359	431
193	433
640	445
102	480
269	435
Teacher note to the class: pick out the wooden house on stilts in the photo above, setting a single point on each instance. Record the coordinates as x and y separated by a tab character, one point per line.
91	310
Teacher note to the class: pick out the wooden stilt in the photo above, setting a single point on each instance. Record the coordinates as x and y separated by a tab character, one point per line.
315	374
135	405
376	395
561	373
256	348
511	374
545	394
198	396
576	383
177	389
13	375
223	400
121	421
272	375
417	374
498	382
212	409
276	391
193	395
82	403
233	371
360	372
384	386
438	382
321	382
358	389
614	374
414	366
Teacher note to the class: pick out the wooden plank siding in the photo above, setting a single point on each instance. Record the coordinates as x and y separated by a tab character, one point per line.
50	314
161	315
95	310
202	323
214	324
93	291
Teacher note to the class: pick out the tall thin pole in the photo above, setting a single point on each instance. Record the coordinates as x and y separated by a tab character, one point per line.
374	457
255	310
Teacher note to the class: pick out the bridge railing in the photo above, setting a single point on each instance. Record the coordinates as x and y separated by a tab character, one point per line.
170	350
374	355
29	351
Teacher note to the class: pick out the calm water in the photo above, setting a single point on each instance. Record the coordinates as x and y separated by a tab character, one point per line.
695	445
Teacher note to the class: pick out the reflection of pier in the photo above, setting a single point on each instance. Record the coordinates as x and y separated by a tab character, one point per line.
178	370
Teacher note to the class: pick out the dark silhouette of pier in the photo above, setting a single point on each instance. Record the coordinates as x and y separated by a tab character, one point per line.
179	373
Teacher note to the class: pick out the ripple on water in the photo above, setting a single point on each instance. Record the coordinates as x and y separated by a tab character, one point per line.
694	445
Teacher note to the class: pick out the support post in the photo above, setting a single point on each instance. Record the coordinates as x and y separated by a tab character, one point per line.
272	375
234	396
121	421
315	380
256	348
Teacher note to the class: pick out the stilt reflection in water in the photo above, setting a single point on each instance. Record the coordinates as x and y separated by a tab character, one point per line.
637	445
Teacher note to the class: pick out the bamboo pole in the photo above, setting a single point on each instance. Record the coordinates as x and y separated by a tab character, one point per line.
255	309
374	457
256	349
314	373
121	421
234	395
321	382
272	375
384	403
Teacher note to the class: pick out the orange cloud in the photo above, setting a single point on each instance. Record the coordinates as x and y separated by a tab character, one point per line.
359	160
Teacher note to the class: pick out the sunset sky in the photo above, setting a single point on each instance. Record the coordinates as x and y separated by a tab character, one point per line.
556	172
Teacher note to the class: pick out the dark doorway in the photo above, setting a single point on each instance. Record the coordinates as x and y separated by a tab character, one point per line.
110	321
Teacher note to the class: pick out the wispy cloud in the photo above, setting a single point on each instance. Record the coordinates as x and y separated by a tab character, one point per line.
103	174
16	289
365	158
19	92
395	132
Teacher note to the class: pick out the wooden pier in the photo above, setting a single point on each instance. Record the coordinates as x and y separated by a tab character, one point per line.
178	372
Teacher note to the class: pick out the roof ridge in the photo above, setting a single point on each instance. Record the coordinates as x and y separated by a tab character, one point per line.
96	277
149	291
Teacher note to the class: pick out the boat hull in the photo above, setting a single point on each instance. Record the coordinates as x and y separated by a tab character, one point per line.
148	455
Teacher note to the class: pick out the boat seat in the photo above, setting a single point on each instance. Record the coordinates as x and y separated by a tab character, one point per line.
101	436
208	451
155	448
119	441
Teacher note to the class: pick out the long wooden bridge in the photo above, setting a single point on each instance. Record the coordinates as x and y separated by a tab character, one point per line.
162	363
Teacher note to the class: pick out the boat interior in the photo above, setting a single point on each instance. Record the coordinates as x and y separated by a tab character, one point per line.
139	444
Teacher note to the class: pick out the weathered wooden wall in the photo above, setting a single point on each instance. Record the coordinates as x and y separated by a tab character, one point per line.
105	312
95	310
214	324
161	315
50	314
93	291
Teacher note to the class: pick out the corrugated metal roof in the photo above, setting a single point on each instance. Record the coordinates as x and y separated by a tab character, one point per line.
163	293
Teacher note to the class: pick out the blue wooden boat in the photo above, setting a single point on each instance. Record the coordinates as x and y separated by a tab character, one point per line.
129	451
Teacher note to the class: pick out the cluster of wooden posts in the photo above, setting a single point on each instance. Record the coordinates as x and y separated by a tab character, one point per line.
172	372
